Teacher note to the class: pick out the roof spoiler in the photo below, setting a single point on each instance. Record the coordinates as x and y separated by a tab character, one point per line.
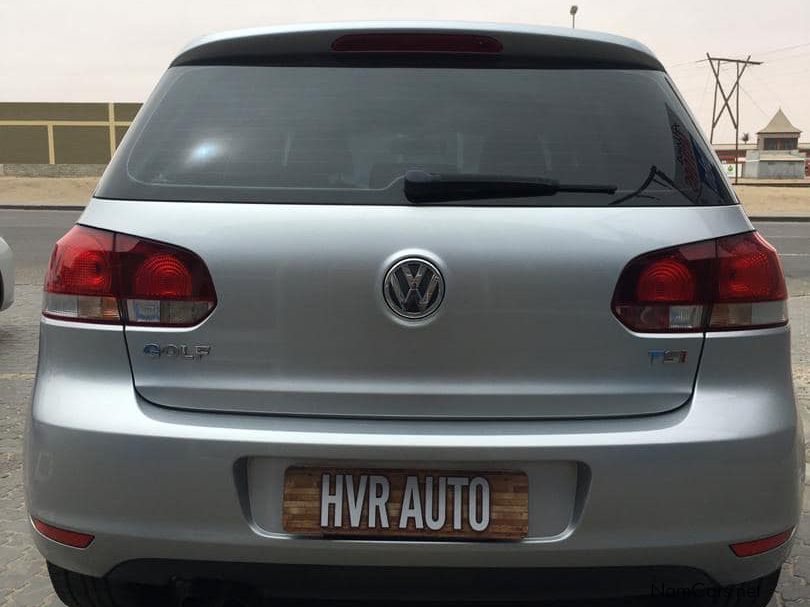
521	45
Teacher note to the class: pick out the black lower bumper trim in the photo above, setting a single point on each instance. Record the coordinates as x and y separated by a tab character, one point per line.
419	583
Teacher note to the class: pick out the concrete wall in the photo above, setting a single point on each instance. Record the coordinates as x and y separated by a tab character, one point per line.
53	134
774	169
774	165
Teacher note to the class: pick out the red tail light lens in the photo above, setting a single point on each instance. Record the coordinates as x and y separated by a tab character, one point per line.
163	277
99	276
734	282
163	285
666	291
63	536
666	280
81	279
765	544
416	43
751	290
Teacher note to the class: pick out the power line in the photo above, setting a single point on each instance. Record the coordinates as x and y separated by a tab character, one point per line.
794	73
789	57
740	65
754	101
716	64
784	48
769	88
697	62
703	94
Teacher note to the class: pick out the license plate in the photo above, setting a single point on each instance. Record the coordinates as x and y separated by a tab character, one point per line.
335	502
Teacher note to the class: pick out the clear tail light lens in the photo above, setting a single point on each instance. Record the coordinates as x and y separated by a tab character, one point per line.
735	282
100	276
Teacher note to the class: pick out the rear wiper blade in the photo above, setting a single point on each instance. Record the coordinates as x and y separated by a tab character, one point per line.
421	186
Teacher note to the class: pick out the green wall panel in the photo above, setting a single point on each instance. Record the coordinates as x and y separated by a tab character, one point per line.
23	144
81	144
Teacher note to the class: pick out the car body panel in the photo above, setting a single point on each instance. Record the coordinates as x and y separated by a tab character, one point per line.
650	490
6	275
525	329
519	41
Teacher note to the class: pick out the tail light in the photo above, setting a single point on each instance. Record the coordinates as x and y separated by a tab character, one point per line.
103	277
73	539
735	282
416	43
764	544
81	279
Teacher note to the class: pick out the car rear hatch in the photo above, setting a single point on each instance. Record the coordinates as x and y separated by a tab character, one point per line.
287	181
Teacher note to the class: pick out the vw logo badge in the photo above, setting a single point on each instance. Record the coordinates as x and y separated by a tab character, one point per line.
413	288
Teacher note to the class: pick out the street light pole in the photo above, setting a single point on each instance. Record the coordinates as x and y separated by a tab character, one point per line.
574	9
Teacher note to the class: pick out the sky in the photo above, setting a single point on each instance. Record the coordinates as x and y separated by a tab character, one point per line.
110	50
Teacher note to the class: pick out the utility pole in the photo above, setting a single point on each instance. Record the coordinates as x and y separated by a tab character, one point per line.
740	65
574	9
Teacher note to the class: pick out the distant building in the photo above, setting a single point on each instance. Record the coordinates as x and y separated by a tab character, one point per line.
777	154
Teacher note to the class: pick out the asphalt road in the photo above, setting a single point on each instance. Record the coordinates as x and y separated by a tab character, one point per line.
792	240
31	234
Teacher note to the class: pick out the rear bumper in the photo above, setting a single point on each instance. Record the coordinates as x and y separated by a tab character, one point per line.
425	583
672	490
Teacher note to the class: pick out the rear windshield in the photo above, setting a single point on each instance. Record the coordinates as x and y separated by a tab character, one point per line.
347	135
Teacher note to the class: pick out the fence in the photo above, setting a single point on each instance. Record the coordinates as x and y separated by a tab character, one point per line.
62	133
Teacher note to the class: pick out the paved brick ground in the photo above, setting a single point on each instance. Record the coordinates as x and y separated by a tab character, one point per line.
23	581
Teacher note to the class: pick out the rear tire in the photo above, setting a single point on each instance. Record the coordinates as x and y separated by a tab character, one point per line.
78	590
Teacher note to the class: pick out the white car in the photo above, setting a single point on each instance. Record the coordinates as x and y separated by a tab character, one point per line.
6	275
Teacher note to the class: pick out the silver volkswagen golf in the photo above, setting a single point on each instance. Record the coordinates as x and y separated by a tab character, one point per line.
414	311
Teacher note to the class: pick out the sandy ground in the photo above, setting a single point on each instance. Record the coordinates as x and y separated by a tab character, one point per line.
758	200
768	200
46	190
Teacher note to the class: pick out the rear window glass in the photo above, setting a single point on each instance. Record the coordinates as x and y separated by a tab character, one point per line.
347	135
